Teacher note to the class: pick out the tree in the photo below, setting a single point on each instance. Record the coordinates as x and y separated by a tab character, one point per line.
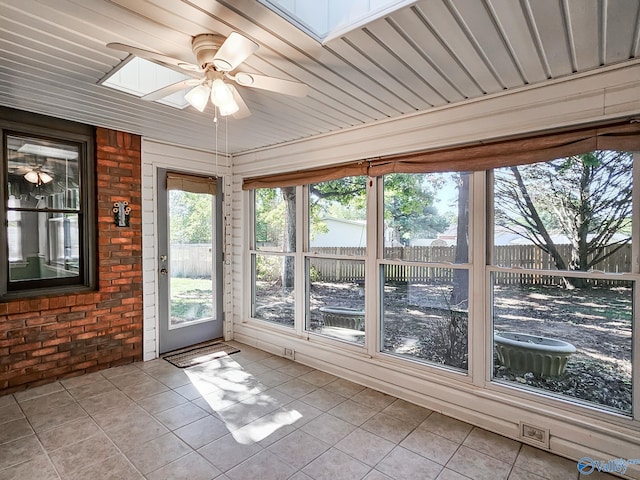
191	217
586	198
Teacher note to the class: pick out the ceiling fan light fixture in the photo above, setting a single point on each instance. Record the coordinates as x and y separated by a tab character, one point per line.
220	93
244	79
228	108
37	177
221	64
198	97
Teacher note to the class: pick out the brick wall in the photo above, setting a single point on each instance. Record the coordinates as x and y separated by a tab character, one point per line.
49	338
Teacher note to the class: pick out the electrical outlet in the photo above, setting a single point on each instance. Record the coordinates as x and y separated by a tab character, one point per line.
534	435
289	353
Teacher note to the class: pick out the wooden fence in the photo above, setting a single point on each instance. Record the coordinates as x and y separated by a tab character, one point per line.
195	261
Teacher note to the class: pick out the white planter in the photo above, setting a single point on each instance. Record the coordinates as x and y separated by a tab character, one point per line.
541	356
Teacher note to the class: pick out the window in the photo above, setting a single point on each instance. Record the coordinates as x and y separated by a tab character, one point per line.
273	255
562	286
425	267
535	255
48	236
335	263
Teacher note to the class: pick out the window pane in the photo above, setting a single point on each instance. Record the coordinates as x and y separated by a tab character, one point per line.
43	174
568	214
425	314
596	321
337	216
191	253
426	217
43	245
336	298
273	295
275	219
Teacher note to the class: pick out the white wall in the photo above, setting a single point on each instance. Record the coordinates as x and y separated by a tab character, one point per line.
574	431
156	155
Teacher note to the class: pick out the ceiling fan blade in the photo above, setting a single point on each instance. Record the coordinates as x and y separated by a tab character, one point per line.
235	50
185	68
279	85
169	89
243	110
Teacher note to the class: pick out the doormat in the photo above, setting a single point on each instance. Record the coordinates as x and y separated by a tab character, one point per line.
194	356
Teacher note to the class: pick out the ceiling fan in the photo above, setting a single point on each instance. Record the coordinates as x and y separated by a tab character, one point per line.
216	57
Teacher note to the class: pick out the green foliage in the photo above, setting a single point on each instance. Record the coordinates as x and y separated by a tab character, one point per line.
191	217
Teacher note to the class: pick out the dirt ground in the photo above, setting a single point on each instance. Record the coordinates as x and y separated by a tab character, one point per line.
597	321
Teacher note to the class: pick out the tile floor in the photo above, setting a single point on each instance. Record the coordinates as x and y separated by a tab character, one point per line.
247	416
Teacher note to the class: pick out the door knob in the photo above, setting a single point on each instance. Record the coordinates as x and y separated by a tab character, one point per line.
164	271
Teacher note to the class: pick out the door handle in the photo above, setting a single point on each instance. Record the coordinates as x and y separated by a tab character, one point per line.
164	271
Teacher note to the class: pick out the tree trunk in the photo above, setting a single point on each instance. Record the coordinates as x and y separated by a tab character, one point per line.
460	291
288	267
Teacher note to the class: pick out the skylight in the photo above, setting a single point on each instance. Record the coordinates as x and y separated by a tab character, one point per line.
140	77
327	19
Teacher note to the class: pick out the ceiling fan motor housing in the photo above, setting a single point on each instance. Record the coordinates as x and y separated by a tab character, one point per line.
205	47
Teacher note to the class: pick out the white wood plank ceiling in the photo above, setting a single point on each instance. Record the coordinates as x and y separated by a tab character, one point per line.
432	53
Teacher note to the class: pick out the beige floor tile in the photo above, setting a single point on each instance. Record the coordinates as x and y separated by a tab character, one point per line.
6	400
295	369
106	401
447	427
264	465
275	362
132	376
408	412
336	465
180	415
328	428
386	426
135	431
121	370
429	445
39	467
303	412
272	378
190	392
492	444
519	474
82	380
112	468
365	446
92	389
352	412
19	451
32	393
299	449
46	403
158	452
296	476
190	467
14	430
344	387
323	399
68	434
252	408
202	431
373	399
142	390
173	379
447	474
318	378
402	464
478	465
10	412
225	453
376	475
296	388
71	459
537	461
41	422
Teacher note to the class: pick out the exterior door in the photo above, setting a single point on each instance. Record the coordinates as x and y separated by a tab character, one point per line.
190	259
